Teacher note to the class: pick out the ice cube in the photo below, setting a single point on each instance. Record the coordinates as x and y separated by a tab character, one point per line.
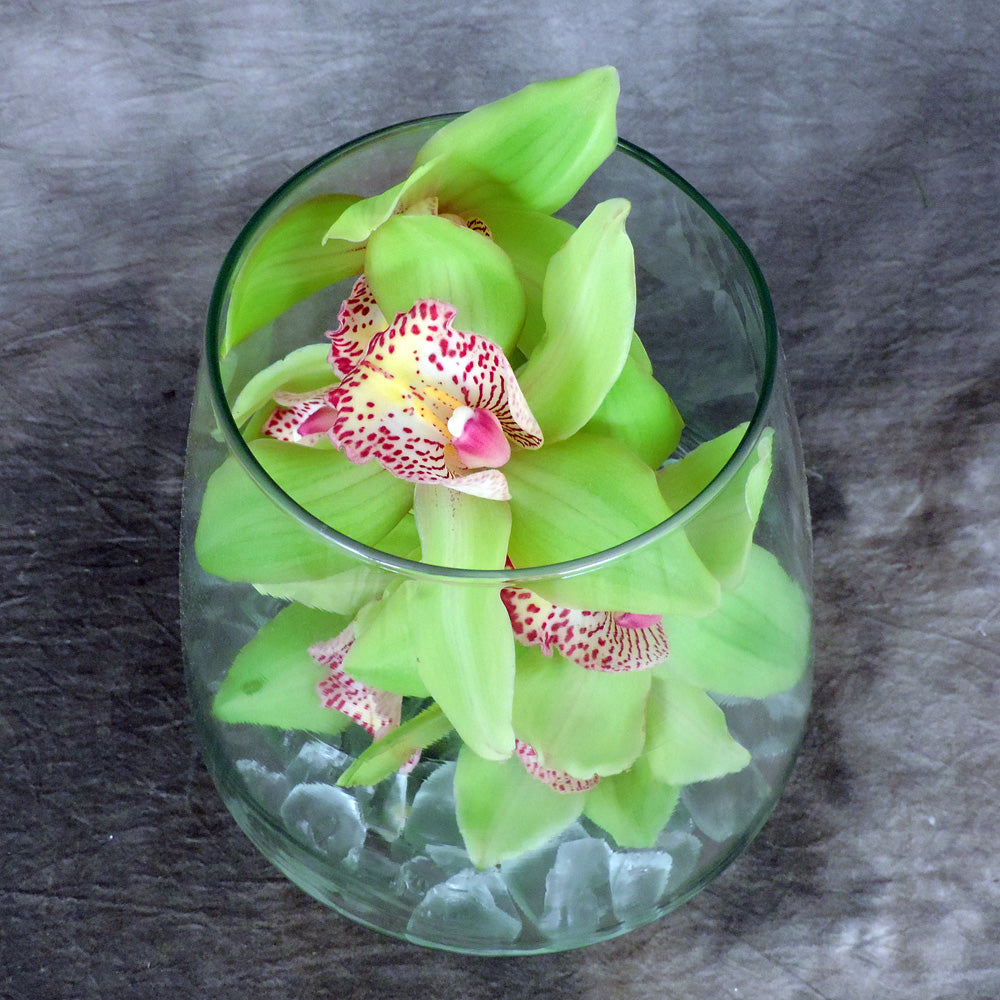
725	807
451	860
770	727
418	875
684	849
432	815
578	888
325	817
525	875
638	883
384	806
318	761
268	787
471	908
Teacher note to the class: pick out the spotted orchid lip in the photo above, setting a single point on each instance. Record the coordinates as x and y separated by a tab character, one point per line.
430	403
595	640
398	404
359	320
377	712
560	781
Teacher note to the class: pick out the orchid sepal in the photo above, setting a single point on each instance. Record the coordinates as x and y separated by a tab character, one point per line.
539	144
633	806
304	370
687	739
413	257
272	681
242	535
529	238
503	811
588	303
638	412
587	494
464	648
756	644
583	722
381	654
722	532
358	221
351	589
287	265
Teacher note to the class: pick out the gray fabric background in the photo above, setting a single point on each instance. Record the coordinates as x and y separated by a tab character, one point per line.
854	145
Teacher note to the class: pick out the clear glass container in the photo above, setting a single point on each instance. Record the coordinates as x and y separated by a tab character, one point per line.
391	856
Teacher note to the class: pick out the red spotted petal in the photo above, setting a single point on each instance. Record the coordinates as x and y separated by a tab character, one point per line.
561	781
360	319
395	406
301	417
376	711
595	640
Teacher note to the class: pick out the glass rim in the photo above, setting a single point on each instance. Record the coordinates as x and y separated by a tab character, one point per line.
327	535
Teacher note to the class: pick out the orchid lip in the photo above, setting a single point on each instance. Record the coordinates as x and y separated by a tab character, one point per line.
432	403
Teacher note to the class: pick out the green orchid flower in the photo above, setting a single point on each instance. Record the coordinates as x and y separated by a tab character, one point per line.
513	162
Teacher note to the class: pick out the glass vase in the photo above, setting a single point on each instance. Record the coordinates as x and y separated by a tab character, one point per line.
392	856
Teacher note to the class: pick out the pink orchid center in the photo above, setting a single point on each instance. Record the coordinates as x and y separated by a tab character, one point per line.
478	438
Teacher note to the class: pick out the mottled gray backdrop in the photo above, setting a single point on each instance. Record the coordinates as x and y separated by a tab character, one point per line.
855	147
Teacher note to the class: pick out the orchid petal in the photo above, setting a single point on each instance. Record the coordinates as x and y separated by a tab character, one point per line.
594	640
360	319
342	593
287	265
559	781
460	531
464	648
346	592
687	739
273	679
395	406
464	651
633	806
415	257
303	370
584	722
529	239
723	532
638	354
396	750
588	301
584	495
242	535
358	221
503	811
541	143
638	412
301	417
382	653
756	644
